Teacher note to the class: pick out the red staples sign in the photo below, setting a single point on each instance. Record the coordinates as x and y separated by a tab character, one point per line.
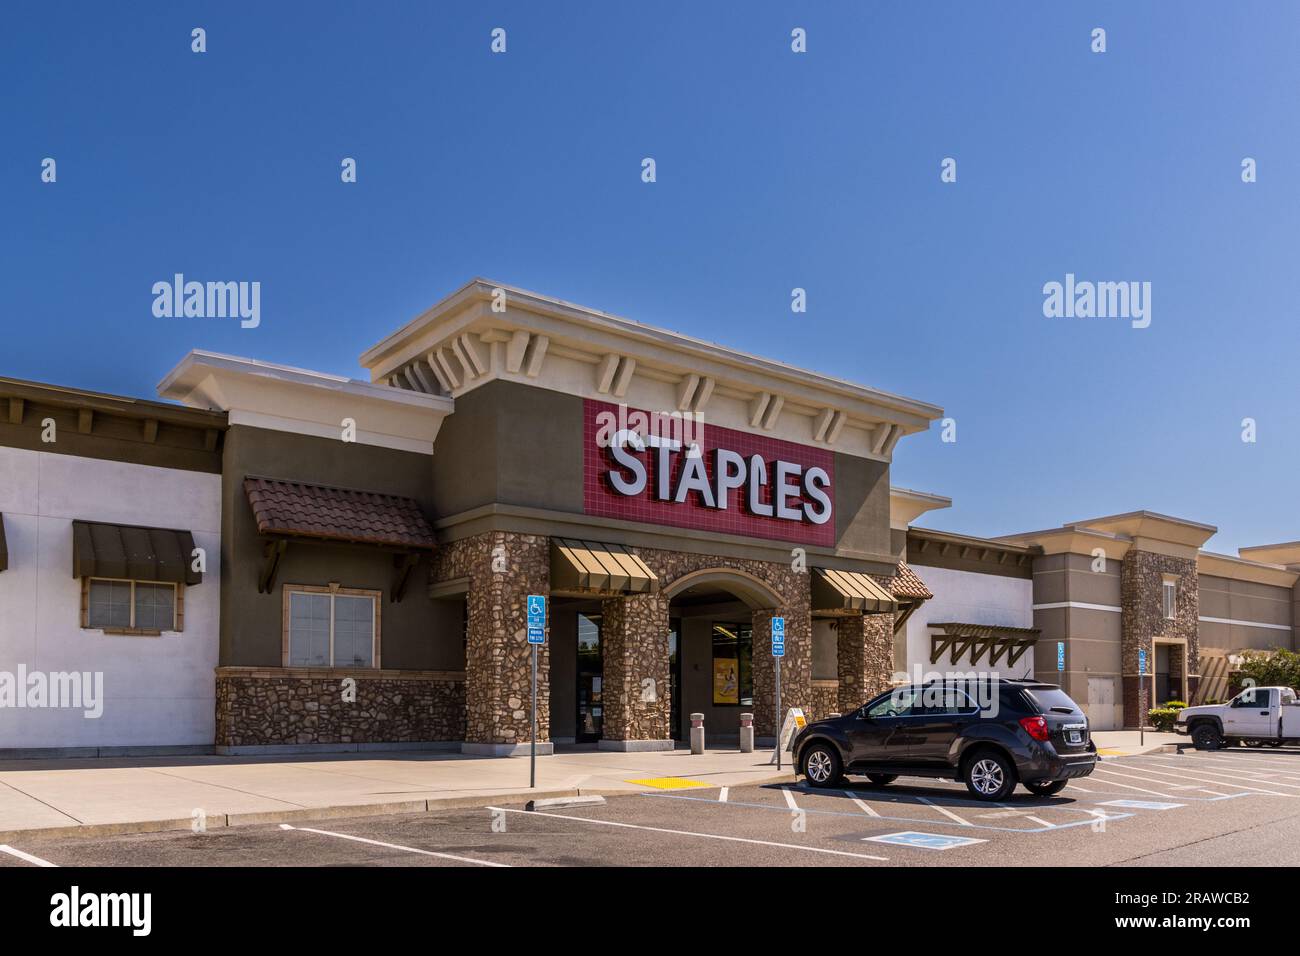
677	470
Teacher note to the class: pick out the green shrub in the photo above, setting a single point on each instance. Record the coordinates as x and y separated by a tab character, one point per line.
1162	718
1174	704
1279	669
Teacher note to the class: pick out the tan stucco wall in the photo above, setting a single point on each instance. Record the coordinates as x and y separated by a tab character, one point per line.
1233	600
417	633
521	446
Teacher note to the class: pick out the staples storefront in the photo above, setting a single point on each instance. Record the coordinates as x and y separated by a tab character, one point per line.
670	496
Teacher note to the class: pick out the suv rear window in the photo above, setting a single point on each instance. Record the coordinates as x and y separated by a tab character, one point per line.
1050	699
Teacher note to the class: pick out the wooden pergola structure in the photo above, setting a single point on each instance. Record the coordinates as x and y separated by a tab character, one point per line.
994	640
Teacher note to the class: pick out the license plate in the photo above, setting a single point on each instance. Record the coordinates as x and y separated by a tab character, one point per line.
1074	737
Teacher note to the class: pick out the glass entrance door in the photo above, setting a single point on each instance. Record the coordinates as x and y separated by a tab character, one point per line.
590	676
1164	686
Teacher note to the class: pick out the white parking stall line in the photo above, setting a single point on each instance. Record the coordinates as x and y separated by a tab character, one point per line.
1212	777
1147	777
395	846
1126	786
1075	786
722	794
693	833
945	811
1184	775
862	804
1178	763
897	810
789	798
1255	772
34	860
1237	757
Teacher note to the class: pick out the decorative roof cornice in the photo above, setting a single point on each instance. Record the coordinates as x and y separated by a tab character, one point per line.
486	331
284	398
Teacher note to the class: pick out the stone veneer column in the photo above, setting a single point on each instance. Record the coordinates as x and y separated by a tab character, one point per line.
503	569
796	666
635	685
1142	605
865	649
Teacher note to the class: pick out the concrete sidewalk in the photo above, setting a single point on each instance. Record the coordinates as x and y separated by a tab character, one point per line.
138	794
120	795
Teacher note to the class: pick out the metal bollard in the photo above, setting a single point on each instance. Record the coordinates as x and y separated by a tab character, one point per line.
697	733
746	733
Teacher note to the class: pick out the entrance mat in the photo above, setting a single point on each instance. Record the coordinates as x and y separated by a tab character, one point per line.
669	783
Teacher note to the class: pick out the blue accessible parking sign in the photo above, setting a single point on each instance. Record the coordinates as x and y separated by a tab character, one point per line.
536	619
778	637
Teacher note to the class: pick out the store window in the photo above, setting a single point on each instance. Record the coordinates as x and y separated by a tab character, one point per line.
733	673
1170	591
331	627
124	606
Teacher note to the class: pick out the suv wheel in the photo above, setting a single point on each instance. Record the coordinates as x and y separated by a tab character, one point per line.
1045	788
1205	737
989	776
821	765
882	779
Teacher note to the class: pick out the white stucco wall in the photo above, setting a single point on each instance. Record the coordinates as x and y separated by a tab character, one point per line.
969	598
157	690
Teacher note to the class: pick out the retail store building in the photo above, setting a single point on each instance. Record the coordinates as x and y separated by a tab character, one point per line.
369	547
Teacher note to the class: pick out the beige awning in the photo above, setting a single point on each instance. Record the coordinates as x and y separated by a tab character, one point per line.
849	591
592	566
142	554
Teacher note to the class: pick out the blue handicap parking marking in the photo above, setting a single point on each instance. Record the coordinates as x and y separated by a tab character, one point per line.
1142	804
924	841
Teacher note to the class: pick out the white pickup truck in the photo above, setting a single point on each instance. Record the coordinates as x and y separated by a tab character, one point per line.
1256	716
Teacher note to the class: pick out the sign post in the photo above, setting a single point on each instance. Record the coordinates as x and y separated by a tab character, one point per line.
536	636
1142	695
778	652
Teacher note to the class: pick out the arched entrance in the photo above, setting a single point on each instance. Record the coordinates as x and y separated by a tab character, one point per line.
711	639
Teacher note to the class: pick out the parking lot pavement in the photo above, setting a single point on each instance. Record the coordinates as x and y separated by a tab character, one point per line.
1189	809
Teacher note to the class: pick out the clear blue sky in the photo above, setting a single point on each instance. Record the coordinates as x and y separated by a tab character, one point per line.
775	170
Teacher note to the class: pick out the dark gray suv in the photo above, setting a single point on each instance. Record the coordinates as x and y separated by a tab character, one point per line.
989	734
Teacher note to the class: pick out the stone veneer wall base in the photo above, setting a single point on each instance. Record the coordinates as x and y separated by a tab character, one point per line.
269	709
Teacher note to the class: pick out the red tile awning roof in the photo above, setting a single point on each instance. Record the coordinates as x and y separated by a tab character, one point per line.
337	514
906	584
